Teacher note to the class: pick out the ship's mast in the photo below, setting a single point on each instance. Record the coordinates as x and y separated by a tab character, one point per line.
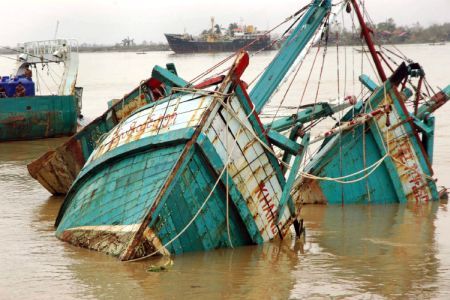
289	52
366	33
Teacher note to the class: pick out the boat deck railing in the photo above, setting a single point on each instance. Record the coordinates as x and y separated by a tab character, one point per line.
47	50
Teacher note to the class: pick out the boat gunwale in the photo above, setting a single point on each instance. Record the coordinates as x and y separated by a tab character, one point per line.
170	98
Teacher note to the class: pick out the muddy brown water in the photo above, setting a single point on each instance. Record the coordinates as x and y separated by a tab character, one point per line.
370	252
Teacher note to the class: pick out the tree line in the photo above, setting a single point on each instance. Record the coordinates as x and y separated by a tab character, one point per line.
389	33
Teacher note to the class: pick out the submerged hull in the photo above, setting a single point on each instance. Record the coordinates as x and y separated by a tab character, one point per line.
128	189
158	183
396	163
36	117
180	45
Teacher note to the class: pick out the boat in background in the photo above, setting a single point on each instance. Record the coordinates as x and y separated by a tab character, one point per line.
214	40
26	111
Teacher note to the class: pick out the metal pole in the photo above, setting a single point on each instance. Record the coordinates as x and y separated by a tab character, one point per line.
366	33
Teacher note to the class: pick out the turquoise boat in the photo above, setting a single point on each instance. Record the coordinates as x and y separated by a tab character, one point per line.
194	171
163	169
380	151
394	149
27	115
197	170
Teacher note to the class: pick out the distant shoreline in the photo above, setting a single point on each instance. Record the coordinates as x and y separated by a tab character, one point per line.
165	47
92	49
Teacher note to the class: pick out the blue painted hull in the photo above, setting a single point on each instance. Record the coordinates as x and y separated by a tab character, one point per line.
183	174
57	169
403	174
27	118
109	199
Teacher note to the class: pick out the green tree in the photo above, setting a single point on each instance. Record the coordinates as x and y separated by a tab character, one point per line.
389	25
231	28
217	27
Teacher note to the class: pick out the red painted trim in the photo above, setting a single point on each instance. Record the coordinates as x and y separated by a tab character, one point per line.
414	132
209	82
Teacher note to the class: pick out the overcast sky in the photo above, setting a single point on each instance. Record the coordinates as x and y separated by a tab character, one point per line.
109	21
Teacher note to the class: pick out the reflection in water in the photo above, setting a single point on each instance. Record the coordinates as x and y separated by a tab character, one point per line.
374	250
33	263
246	272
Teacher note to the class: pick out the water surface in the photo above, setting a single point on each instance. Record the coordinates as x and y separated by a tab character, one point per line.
371	252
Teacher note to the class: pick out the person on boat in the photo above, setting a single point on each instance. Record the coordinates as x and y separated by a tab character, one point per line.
2	92
20	90
27	72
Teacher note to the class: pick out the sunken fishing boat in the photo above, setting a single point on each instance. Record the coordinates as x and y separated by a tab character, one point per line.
194	171
217	39
40	106
167	166
197	169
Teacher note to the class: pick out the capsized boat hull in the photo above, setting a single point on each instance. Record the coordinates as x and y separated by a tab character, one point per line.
123	191
160	176
37	117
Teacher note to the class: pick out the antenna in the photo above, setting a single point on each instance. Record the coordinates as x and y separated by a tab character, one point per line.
56	29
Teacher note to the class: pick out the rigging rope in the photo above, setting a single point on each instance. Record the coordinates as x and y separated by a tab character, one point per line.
247	46
227	186
35	56
366	170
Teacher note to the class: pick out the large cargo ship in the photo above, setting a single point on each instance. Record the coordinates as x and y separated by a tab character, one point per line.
218	39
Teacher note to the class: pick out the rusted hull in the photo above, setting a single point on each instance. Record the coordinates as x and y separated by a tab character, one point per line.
57	169
37	117
110	239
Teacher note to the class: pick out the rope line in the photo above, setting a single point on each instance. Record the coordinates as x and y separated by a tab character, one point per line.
203	74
